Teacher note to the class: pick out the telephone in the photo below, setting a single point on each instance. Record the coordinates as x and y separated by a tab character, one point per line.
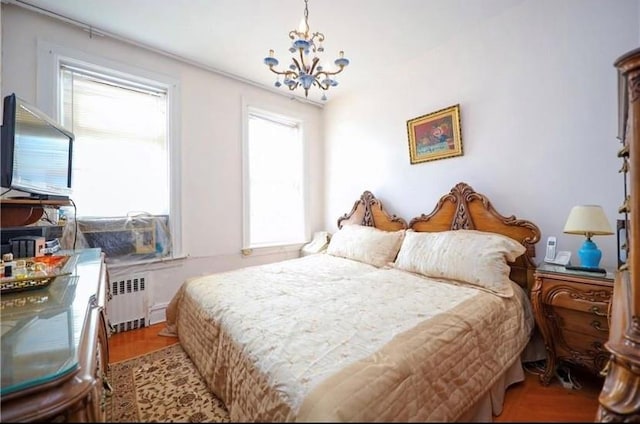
318	244
563	257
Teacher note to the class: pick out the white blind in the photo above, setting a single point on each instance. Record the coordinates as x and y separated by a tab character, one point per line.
120	153
276	199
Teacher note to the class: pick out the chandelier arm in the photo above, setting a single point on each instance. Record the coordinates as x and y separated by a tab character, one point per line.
304	65
325	87
297	64
319	35
328	73
313	66
283	72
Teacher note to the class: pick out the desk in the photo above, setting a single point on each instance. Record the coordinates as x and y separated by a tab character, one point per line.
55	346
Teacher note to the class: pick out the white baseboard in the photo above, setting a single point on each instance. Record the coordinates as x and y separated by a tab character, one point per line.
157	313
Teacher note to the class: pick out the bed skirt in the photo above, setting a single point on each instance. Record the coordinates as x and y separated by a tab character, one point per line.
491	403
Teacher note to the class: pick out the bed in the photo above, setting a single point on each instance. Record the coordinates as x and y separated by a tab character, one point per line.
393	322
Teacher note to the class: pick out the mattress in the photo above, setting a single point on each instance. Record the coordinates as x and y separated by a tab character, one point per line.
322	338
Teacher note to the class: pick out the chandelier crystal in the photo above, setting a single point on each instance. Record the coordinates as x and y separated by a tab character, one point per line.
304	71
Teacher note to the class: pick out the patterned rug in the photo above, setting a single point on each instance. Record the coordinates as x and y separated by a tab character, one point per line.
161	386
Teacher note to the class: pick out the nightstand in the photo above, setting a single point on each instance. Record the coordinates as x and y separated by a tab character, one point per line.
572	311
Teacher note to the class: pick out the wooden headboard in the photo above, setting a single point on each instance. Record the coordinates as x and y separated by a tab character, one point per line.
462	208
369	211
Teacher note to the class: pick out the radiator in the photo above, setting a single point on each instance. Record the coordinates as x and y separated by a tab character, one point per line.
127	308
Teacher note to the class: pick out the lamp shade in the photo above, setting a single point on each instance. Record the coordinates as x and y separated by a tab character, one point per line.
589	220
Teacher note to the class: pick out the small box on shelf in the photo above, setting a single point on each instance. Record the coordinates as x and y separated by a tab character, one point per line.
27	246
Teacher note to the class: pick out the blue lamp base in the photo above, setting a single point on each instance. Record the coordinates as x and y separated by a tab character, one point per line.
589	254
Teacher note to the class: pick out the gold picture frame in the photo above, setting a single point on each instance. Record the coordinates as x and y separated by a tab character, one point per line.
436	135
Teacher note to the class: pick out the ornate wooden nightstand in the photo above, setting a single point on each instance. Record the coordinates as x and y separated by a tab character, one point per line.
572	311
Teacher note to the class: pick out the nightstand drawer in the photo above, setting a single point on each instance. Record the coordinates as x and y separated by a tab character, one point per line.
583	343
578	296
587	351
586	323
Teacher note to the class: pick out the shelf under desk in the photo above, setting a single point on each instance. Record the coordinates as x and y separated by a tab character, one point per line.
17	212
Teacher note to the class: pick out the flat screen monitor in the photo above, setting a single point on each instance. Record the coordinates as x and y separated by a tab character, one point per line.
35	151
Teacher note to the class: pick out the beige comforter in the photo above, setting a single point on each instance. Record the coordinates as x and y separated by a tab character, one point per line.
322	338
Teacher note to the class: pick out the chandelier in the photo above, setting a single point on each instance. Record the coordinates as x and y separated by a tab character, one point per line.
303	71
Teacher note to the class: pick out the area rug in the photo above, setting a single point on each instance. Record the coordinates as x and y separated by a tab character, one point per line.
161	386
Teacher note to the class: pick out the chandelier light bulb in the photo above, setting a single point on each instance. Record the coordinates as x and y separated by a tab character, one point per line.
341	61
303	29
271	61
303	71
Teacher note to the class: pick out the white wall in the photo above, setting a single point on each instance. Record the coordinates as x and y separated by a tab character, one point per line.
537	91
211	128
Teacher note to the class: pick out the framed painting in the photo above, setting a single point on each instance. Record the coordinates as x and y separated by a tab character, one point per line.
436	135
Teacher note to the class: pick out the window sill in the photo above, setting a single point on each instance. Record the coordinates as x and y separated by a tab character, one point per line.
271	250
123	263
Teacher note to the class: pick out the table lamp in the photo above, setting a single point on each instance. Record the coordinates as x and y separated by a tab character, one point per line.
588	220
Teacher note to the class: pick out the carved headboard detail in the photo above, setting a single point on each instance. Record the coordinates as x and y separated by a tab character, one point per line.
463	208
369	211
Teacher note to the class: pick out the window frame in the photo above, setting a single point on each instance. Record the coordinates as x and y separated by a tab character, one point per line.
276	114
50	58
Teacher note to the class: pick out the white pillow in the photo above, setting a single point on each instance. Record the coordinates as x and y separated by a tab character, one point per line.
474	257
366	244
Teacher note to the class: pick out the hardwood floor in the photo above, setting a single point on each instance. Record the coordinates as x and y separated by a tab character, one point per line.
130	344
528	401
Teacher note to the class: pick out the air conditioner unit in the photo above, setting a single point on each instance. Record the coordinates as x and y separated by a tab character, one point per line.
121	236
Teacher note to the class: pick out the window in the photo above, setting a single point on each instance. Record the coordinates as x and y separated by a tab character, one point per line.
120	153
126	155
274	181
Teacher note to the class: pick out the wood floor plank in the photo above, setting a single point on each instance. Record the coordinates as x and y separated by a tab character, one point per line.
130	344
527	401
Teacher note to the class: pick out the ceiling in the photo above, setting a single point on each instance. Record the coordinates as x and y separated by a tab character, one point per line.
379	37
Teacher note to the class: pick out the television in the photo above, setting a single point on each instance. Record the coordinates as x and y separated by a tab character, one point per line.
35	152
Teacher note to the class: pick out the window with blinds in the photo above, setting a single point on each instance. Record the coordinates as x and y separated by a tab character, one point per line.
120	152
274	192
